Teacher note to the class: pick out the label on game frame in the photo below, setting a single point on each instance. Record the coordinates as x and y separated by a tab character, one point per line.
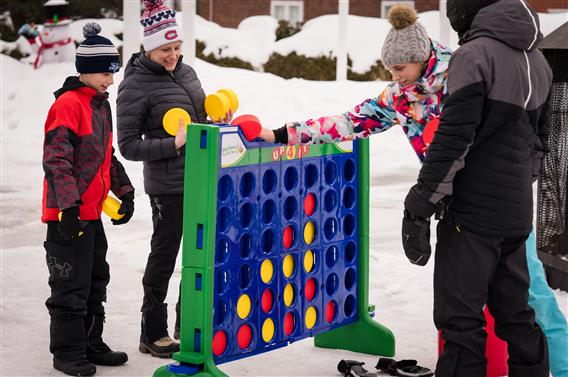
232	149
345	146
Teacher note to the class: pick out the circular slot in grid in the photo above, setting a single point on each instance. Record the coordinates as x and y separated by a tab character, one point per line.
266	271
350	252
289	295
225	188
331	256
244	336
269	180
330	228
267	241
311	317
288	266
309	232
288	237
244	306
310	204
267	300
350	278
349	306
268	330
330	311
247	184
349	225
330	172
290	207
245	276
331	284
220	312
349	170
330	200
245	246
310	289
219	343
290	178
222	250
311	175
349	197
223	219
289	323
246	214
309	261
268	211
222	278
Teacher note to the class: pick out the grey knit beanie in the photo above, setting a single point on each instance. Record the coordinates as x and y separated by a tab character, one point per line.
407	41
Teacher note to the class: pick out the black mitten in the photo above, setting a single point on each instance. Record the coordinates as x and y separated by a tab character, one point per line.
416	238
69	223
126	209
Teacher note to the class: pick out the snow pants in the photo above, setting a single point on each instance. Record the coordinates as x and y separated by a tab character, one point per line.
78	277
548	315
167	218
471	271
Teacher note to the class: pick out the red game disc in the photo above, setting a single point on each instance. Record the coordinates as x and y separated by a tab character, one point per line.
289	324
288	237
219	343
267	300
244	336
430	130
330	311
310	204
310	289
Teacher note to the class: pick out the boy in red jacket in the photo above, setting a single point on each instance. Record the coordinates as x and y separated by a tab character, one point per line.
80	168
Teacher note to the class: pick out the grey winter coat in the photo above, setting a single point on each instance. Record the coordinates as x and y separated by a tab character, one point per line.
147	92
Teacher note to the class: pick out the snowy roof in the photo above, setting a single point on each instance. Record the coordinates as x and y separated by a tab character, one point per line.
557	40
54	3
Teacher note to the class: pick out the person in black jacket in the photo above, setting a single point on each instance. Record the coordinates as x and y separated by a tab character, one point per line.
477	178
156	81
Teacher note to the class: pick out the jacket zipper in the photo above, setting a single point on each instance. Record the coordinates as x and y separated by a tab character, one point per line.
100	206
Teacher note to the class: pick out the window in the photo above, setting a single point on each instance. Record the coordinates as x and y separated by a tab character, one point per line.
387	4
287	10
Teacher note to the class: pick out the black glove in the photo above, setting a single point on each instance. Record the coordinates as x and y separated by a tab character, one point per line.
69	224
126	209
354	368
416	238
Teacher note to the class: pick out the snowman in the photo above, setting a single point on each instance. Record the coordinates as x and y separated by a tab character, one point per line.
56	44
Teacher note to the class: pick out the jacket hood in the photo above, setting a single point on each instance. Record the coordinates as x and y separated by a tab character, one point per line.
71	83
141	64
509	21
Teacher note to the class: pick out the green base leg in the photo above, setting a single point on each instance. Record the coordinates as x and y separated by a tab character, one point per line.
364	336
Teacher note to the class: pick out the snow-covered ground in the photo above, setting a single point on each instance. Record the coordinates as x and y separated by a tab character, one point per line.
401	292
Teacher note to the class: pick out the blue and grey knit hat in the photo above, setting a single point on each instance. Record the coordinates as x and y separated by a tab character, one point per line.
96	54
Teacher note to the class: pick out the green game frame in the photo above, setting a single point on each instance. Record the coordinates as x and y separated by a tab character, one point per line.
198	261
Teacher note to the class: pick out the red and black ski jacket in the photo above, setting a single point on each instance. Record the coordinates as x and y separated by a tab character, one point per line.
78	157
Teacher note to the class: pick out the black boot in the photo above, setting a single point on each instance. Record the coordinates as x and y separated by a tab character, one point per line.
79	367
97	351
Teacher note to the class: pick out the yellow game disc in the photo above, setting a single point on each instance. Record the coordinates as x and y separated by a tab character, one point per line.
309	261
311	316
171	118
309	232
233	99
217	106
288	294
288	265
268	330
111	207
266	271
243	306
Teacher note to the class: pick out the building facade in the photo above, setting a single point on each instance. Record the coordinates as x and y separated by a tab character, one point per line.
230	13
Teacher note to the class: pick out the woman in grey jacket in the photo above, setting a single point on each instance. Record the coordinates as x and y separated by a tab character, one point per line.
154	82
